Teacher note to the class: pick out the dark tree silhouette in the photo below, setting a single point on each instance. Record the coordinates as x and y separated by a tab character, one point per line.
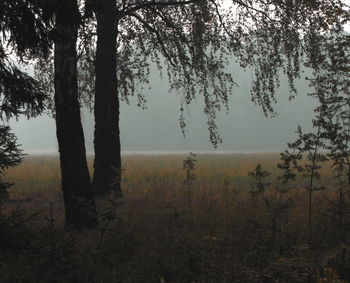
30	27
107	165
80	210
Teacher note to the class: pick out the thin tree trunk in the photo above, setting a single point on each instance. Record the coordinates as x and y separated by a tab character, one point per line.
340	202
80	210
311	190
310	205
341	207
107	165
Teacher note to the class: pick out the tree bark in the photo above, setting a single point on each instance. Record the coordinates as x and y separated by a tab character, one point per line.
79	203
107	165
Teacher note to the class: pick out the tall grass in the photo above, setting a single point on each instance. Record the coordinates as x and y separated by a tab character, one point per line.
39	176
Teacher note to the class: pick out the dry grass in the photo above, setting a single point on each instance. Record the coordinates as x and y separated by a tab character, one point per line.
227	236
39	176
153	188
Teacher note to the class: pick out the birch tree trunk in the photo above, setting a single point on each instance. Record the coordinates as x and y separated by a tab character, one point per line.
107	165
79	203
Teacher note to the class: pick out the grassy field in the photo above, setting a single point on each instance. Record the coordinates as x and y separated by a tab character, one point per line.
158	175
39	175
218	233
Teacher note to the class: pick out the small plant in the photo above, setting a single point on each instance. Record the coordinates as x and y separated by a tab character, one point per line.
259	175
276	204
309	145
189	165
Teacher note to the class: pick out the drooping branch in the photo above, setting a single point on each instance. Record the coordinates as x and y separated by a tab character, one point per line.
135	7
157	34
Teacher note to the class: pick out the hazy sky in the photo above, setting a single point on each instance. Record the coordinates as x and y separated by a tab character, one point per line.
157	128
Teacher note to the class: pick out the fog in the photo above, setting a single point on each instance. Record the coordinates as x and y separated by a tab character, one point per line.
156	129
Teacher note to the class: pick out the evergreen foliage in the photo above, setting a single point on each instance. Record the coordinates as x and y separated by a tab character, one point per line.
23	36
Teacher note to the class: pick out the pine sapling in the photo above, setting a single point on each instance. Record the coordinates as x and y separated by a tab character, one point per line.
276	205
310	145
189	165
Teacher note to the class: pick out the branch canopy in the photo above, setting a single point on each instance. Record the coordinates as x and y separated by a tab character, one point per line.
192	42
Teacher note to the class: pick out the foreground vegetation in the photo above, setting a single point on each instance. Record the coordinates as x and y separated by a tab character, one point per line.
209	222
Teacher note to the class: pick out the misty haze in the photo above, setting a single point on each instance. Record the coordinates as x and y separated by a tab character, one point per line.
156	129
174	141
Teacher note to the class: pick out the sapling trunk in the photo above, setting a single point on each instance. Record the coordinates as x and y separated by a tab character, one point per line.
341	200
188	165
189	198
310	204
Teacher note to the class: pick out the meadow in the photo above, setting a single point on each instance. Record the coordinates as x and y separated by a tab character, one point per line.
39	175
213	227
